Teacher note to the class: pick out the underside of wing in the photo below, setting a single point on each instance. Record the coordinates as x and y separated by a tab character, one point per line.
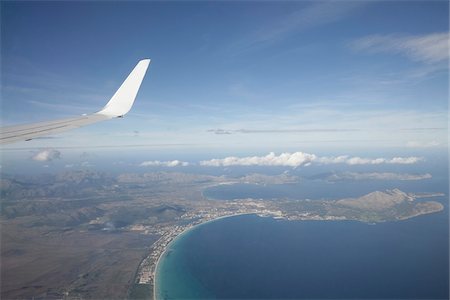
118	106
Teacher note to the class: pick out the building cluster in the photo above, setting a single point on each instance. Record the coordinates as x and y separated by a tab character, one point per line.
314	217
147	268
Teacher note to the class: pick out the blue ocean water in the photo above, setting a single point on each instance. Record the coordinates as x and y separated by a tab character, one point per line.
251	257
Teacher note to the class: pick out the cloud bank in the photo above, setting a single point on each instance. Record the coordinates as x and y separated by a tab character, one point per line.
356	160
377	176
46	155
170	163
285	159
298	159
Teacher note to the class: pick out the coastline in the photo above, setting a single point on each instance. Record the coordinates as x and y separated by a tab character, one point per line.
155	282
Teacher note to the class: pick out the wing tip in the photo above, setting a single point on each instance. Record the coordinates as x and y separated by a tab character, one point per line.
123	99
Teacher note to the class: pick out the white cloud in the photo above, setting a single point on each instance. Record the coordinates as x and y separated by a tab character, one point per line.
430	48
356	160
298	159
405	160
171	163
285	159
47	155
377	176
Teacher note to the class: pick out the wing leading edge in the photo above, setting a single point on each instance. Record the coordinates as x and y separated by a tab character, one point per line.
120	103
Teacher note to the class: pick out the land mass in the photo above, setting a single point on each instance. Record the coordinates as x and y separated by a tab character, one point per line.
87	234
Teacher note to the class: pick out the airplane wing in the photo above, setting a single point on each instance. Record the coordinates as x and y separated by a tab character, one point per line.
118	106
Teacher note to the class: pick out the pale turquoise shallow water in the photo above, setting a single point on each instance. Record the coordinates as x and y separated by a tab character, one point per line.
173	273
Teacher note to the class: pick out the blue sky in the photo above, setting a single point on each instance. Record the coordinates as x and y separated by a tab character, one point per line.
238	76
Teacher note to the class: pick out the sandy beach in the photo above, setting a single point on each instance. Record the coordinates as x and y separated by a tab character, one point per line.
155	284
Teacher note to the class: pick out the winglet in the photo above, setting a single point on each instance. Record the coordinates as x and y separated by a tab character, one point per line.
123	99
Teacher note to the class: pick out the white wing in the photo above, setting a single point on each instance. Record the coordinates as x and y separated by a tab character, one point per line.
119	105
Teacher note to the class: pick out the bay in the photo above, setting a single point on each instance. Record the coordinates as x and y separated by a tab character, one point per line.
252	257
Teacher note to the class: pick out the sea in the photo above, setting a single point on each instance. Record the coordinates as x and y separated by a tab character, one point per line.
252	257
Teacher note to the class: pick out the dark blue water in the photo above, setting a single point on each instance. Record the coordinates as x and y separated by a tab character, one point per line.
250	257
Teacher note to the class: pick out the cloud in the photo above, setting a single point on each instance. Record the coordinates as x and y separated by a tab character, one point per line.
47	155
430	48
170	163
404	160
220	131
298	159
425	129
249	131
417	144
313	15
377	176
87	164
356	160
285	159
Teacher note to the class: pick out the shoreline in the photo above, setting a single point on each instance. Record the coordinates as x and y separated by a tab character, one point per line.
178	236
